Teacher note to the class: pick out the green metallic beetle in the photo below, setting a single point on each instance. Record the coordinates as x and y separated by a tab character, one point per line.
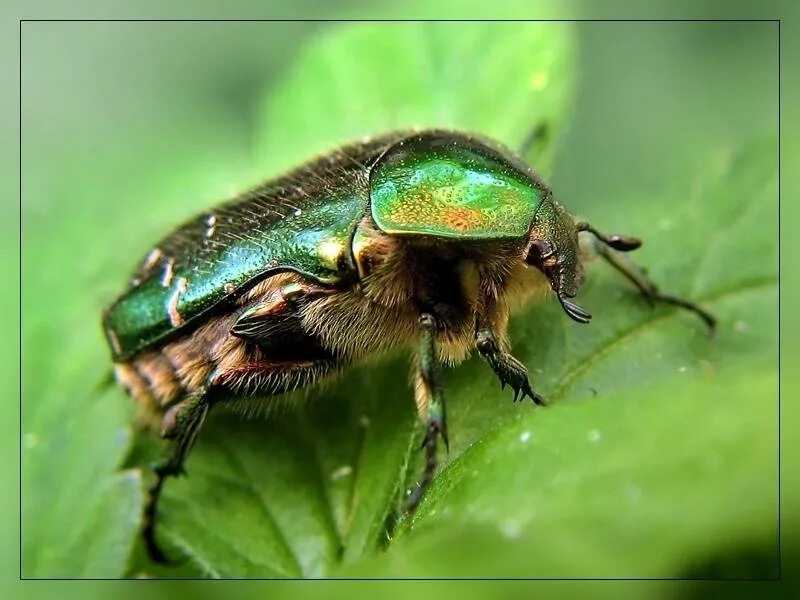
420	239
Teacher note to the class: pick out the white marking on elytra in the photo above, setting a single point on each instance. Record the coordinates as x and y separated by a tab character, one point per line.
166	277
211	223
155	255
112	337
175	318
229	288
298	212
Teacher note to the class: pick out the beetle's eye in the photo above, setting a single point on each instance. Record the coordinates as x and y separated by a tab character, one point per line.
539	253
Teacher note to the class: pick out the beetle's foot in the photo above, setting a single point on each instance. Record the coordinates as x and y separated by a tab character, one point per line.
513	373
705	316
508	369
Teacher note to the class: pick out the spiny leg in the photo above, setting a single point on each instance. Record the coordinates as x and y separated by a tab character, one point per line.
181	424
430	403
636	275
508	369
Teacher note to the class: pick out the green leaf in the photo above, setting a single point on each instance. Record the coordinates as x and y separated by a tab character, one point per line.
84	529
81	513
658	454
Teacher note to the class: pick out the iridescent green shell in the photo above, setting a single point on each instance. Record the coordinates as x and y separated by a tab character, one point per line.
301	222
453	187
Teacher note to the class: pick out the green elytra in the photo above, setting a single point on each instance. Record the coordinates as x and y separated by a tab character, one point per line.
433	183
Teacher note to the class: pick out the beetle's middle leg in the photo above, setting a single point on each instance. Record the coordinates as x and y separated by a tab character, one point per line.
605	246
430	404
508	369
181	424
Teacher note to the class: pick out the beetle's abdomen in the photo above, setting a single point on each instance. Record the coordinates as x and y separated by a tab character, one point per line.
158	378
152	383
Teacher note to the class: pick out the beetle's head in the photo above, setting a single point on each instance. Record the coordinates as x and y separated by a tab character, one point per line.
553	249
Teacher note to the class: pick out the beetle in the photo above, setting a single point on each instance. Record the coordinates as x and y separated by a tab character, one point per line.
419	239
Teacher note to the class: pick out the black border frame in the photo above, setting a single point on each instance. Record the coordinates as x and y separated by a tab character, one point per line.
776	21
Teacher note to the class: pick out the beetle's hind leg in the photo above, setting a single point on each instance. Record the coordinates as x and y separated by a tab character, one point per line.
181	424
430	405
609	247
508	369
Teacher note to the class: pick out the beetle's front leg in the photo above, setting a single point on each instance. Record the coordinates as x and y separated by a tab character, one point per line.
508	369
430	405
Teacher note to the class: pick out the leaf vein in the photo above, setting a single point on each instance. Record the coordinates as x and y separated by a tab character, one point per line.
248	484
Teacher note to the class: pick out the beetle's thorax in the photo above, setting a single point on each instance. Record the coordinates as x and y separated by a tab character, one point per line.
455	281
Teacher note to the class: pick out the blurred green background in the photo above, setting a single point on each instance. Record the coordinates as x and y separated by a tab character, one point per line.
666	130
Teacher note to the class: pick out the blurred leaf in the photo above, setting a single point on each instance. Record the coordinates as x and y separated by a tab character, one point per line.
659	450
80	514
85	529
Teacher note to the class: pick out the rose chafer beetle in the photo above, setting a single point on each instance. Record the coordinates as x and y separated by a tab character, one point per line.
421	239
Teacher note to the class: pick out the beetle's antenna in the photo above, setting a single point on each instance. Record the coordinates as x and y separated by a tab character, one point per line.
623	243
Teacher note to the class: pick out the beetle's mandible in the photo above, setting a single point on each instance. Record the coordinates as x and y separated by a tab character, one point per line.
420	239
